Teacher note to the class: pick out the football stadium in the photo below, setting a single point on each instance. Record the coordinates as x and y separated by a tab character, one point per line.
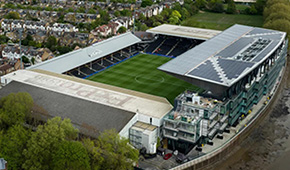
188	87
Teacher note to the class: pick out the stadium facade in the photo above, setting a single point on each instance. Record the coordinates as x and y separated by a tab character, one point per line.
236	68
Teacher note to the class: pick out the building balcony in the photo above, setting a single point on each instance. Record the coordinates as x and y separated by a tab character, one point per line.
170	136
170	128
187	139
186	130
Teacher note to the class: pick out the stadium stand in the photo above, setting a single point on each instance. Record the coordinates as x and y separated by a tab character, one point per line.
171	46
102	63
118	56
155	44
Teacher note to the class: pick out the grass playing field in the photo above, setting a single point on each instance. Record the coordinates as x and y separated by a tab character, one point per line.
220	21
140	73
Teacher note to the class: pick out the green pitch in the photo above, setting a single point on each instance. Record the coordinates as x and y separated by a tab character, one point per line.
140	73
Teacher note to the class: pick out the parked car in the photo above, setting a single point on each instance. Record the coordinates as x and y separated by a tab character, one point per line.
167	156
181	158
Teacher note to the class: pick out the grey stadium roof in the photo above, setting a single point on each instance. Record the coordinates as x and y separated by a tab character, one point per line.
227	57
80	57
88	116
183	31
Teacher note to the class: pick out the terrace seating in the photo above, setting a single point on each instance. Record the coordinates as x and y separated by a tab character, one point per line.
96	66
86	70
112	59
118	55
76	73
154	45
167	46
105	63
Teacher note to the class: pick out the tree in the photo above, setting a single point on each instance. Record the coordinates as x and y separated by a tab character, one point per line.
117	13
173	20
105	17
126	12
146	3
253	10
50	42
25	59
122	29
260	5
63	49
200	4
12	15
231	7
143	27
91	11
71	155
14	108
3	39
216	6
110	151
12	144
45	141
176	14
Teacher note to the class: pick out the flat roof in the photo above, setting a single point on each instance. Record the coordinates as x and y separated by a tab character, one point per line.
83	56
106	95
89	117
227	57
183	31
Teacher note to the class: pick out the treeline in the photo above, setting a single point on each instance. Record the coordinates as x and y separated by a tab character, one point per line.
277	15
179	13
54	144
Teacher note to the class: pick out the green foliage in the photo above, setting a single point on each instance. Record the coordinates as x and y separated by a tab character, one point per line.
3	39
14	108
216	6
220	21
105	17
143	27
71	155
176	14
158	142
277	16
117	13
91	11
12	144
122	29
201	4
12	15
260	5
146	3
126	12
33	60
45	141
63	49
81	10
60	19
25	59
115	151
231	9
51	42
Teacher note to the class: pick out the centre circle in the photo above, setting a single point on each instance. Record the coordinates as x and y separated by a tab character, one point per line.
149	79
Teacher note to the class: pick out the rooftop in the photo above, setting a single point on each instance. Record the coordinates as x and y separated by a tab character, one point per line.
227	57
80	57
183	31
104	95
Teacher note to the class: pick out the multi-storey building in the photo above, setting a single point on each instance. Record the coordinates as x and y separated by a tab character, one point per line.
236	69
